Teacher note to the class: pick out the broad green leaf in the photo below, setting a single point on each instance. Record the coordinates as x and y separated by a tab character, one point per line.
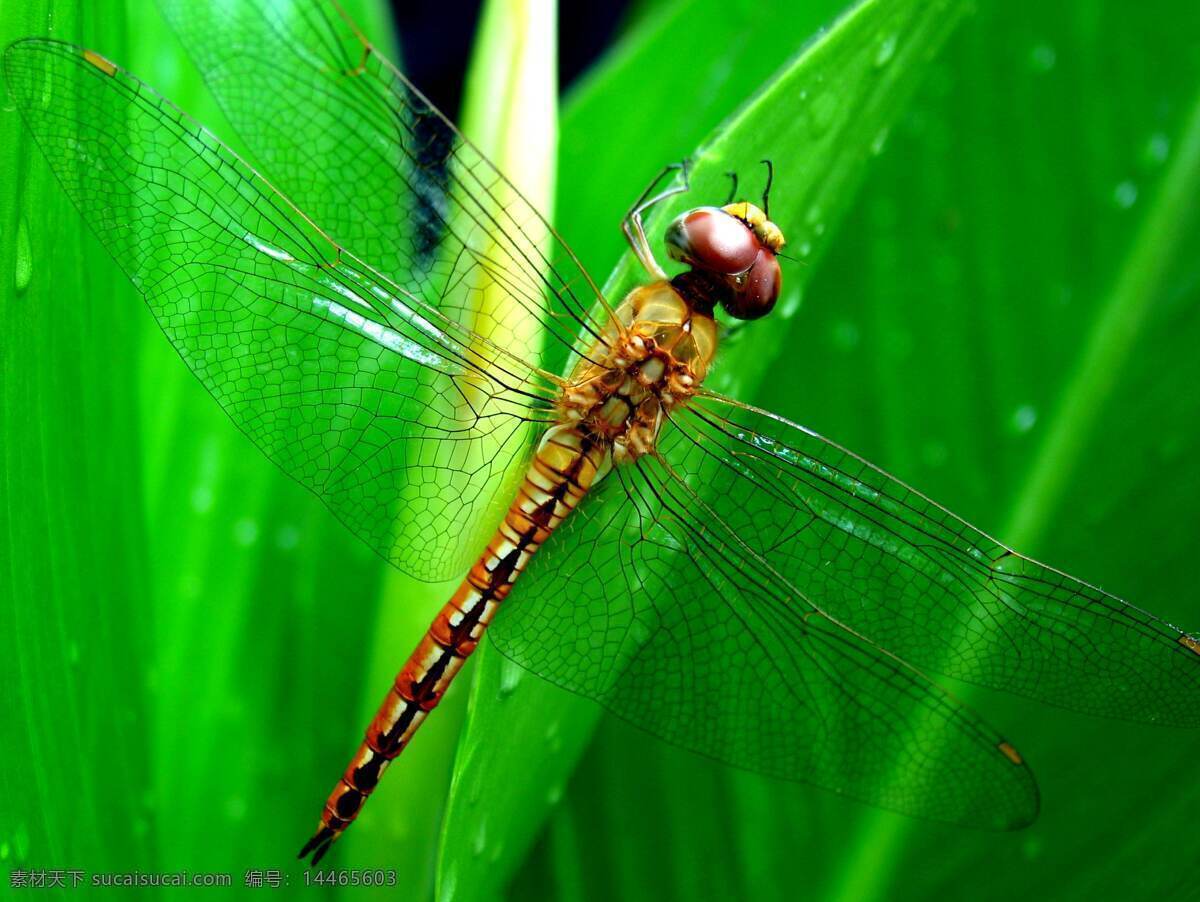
1007	319
76	619
214	606
1076	294
834	99
943	337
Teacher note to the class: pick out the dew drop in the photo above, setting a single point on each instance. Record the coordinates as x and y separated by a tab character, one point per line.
474	793
510	678
73	652
845	335
1024	418
879	142
479	844
1157	149
245	531
23	267
885	51
287	538
554	794
449	885
805	248
1042	58
202	499
5	851
790	304
822	111
1125	194
553	739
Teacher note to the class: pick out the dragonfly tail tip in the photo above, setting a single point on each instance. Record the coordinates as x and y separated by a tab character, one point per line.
318	844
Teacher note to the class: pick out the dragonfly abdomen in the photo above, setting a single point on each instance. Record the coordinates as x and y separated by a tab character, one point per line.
568	461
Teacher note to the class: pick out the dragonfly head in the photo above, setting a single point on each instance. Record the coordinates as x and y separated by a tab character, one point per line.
736	243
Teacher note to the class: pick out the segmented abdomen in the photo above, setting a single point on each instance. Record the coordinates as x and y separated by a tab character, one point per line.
566	464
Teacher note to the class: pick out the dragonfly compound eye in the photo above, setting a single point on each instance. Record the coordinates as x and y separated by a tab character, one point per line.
710	239
755	292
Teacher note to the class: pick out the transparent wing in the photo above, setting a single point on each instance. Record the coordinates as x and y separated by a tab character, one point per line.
913	577
646	601
354	385
309	95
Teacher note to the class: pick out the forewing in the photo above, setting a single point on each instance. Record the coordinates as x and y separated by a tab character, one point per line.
305	88
355	386
927	586
647	602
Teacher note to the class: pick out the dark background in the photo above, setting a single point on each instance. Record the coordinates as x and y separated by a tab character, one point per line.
435	39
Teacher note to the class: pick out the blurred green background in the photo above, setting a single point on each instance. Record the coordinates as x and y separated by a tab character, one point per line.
998	303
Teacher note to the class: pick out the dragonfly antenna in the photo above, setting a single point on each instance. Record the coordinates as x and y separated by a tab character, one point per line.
732	188
767	190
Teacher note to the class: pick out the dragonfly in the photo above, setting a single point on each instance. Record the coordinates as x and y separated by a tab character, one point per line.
726	579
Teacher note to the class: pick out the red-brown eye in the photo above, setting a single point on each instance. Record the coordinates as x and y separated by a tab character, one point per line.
757	292
711	239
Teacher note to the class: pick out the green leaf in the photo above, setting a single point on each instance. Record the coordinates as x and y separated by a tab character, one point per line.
1044	167
196	595
1007	319
75	613
523	736
1087	433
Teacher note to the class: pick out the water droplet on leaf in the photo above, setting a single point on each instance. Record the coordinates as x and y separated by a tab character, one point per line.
845	335
1042	58
202	498
1024	418
885	51
822	111
879	142
1125	194
510	678
245	531
23	266
1157	149
287	538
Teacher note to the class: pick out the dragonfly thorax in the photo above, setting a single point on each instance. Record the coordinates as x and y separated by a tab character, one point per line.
653	356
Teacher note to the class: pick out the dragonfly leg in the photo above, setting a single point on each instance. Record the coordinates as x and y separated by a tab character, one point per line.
632	225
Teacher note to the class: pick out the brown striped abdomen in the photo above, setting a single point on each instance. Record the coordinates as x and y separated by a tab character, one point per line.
566	464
